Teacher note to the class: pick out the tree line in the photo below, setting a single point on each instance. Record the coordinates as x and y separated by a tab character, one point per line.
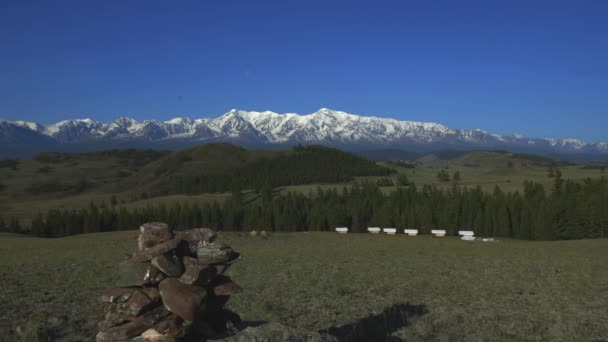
568	210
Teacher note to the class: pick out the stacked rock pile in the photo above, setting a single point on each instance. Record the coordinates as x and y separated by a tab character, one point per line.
171	288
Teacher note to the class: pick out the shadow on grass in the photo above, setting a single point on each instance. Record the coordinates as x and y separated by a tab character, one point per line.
378	327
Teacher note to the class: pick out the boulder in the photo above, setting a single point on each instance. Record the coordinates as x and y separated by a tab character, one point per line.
169	264
182	299
156	250
197	274
153	233
216	253
137	274
272	332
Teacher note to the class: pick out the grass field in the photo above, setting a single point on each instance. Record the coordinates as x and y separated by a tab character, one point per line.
363	286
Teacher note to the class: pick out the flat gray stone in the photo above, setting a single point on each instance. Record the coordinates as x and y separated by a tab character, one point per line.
216	253
169	264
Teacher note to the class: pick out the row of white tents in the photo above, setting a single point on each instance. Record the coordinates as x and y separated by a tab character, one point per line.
464	234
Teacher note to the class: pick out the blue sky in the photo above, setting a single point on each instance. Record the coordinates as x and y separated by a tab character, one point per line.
538	68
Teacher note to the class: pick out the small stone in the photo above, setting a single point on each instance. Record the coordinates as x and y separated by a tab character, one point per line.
181	299
113	315
216	253
197	274
152	293
263	234
132	329
151	335
125	331
116	294
227	289
156	250
169	265
153	233
253	233
172	325
138	303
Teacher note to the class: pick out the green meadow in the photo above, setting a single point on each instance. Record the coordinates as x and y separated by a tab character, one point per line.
356	286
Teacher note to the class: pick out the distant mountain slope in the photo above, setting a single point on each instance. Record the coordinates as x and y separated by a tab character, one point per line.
222	167
250	128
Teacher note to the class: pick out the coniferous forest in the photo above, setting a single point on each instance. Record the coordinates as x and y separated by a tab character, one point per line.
567	210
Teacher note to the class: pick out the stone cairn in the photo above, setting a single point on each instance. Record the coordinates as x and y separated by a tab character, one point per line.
171	289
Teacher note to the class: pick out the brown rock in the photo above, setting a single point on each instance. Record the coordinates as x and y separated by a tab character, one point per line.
197	274
151	292
156	250
116	294
182	299
169	264
172	325
196	238
227	289
138	303
216	253
134	328
137	274
153	233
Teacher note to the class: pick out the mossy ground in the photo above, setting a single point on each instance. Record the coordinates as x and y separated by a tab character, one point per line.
507	290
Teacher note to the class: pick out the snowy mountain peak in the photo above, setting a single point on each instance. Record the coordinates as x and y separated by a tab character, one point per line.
30	125
325	126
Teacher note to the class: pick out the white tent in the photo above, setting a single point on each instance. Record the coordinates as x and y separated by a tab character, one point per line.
438	232
466	233
411	232
342	230
390	231
373	230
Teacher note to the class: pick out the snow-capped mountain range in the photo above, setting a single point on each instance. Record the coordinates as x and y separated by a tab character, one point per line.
326	126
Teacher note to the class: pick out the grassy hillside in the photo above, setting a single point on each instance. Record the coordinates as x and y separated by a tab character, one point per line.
219	167
491	168
418	289
131	177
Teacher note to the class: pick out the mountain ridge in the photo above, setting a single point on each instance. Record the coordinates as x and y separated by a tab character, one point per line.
325	126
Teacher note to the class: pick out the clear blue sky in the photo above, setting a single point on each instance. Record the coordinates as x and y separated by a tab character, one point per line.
538	68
